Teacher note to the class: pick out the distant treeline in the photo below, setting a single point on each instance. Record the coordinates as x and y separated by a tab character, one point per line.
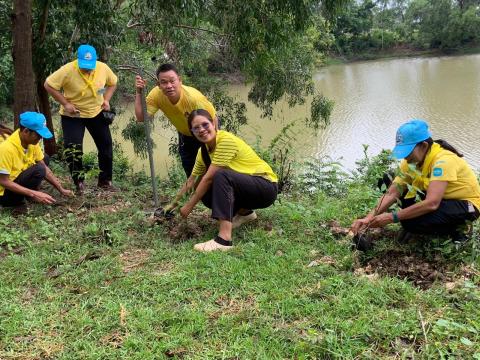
376	25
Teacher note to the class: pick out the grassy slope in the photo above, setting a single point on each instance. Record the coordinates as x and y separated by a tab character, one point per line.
93	280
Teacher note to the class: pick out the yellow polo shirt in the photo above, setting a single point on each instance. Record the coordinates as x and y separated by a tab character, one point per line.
14	159
233	153
190	99
447	166
76	90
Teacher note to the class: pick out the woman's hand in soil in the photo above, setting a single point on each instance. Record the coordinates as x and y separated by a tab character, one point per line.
381	220
66	192
360	224
186	210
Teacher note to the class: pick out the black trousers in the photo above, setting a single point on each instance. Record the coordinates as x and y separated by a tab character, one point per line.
188	148
446	220
30	178
232	191
73	132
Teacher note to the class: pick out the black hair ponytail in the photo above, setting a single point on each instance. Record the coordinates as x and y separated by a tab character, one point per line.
445	145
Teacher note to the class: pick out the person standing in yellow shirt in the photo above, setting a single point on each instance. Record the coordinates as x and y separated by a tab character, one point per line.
176	101
84	88
438	190
23	165
228	177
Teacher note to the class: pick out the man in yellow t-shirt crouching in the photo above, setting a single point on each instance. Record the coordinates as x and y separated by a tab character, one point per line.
22	163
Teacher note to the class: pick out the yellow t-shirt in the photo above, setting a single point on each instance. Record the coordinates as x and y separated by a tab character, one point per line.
233	153
3	138
14	159
447	166
76	90
190	99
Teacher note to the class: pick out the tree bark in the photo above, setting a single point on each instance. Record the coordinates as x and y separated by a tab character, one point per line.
24	87
42	95
44	107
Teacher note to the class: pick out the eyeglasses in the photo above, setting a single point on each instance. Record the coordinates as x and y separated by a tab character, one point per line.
205	126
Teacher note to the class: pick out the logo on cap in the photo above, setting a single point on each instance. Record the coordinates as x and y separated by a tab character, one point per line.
88	56
399	138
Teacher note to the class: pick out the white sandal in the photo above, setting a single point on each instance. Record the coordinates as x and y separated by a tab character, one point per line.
213	245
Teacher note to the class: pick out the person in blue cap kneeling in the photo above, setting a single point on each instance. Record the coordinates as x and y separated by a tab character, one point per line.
22	165
438	190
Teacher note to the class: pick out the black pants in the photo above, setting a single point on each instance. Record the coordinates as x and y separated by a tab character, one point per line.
446	220
232	191
30	178
73	132
188	148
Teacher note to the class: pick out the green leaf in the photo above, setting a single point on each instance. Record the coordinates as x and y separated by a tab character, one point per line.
466	342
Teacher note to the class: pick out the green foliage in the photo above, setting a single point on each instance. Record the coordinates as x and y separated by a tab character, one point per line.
6	61
232	114
11	237
135	132
370	169
324	175
121	164
320	112
277	55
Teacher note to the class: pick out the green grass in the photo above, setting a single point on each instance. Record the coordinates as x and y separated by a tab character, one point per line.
92	279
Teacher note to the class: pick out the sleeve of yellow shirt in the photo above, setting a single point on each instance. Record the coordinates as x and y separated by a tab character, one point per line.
226	149
6	163
111	77
38	153
152	100
57	79
199	167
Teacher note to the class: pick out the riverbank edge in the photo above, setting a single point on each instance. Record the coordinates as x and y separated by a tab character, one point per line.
398	53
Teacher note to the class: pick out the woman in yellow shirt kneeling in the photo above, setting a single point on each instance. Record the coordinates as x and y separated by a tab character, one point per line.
228	177
438	191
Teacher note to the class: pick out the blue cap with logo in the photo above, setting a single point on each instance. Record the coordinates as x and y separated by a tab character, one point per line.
87	57
408	136
36	122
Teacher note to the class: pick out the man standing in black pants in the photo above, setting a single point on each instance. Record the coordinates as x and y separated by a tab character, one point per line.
88	85
23	165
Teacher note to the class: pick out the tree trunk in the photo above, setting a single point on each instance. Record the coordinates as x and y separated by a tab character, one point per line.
44	107
24	87
42	95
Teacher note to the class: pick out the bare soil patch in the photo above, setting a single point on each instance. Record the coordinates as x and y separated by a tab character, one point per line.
180	229
422	272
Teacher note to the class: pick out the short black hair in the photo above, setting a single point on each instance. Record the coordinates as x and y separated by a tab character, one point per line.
166	67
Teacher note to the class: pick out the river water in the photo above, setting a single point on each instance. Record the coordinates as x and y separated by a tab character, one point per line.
371	100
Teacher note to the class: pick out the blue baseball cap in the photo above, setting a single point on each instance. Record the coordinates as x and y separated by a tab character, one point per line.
36	122
87	57
408	136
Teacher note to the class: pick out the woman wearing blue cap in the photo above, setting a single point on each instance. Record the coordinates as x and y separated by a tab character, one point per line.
438	190
84	88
